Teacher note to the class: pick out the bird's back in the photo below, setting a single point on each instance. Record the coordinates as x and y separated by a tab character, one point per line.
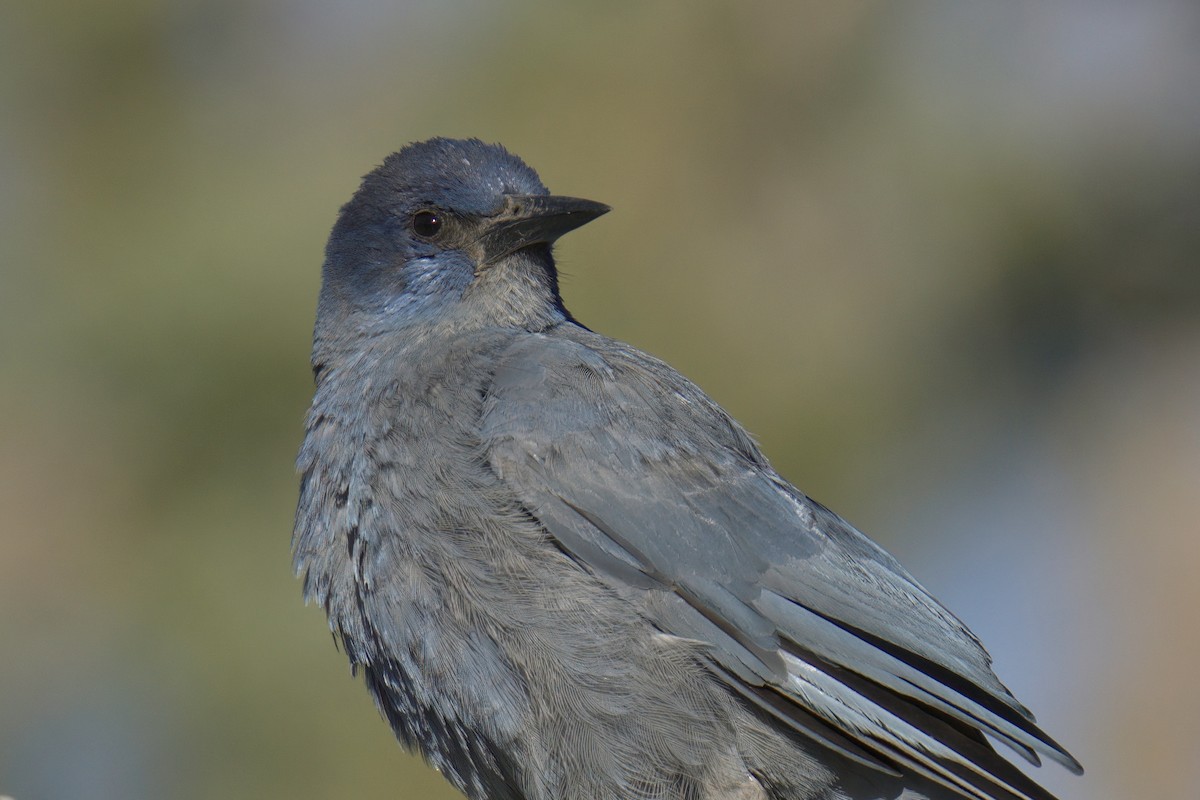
514	668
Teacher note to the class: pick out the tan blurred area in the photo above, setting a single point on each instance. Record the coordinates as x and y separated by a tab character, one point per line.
942	259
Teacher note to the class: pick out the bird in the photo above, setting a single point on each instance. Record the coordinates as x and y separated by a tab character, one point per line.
565	572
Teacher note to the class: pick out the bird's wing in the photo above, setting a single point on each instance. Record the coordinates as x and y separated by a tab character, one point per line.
645	482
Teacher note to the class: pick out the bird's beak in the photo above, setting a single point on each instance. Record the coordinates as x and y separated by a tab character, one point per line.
534	219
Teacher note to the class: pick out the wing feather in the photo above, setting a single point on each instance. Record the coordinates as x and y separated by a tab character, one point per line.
648	484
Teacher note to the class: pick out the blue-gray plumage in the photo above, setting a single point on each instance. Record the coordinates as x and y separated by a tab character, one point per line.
566	572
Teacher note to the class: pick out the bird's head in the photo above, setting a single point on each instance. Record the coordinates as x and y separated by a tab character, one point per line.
447	228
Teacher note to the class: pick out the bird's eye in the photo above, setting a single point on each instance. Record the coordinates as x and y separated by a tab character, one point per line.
426	224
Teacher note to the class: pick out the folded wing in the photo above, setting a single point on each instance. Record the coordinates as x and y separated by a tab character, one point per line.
645	482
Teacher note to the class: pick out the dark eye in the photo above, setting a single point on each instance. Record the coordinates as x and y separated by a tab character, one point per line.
426	224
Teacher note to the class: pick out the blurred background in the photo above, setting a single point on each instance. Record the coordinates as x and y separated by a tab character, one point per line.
942	258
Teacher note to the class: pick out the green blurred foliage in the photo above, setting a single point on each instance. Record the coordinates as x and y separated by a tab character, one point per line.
896	242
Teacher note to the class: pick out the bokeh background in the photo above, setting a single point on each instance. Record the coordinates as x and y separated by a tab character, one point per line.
943	258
